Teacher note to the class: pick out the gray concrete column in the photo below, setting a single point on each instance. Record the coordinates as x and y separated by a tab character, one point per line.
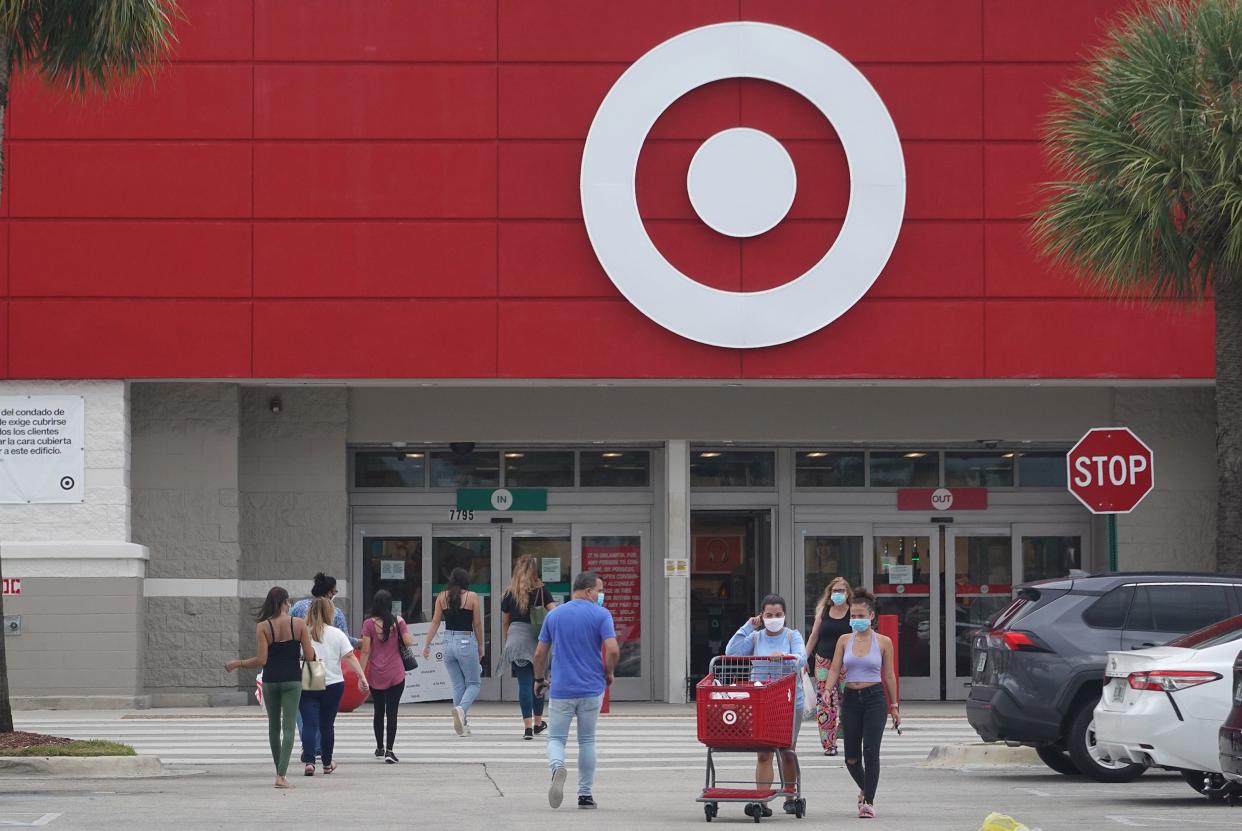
677	546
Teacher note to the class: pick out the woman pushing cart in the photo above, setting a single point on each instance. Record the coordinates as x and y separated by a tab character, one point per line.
751	701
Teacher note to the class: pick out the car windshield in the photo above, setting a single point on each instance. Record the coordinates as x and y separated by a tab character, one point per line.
1214	635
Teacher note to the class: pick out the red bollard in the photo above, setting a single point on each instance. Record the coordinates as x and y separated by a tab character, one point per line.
889	627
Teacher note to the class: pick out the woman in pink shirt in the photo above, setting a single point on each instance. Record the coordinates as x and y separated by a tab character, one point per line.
381	635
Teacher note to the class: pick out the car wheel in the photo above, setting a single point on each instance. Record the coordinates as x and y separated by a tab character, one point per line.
1056	758
1086	755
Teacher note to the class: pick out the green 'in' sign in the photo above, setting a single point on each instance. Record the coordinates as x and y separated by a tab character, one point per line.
502	499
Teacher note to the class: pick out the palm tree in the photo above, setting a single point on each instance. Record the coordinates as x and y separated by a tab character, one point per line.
78	46
1149	142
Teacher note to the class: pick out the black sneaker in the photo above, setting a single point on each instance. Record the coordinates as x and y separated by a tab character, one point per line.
586	802
379	753
528	734
539	728
791	807
390	757
765	811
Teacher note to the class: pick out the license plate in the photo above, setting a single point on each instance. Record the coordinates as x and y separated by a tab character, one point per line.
1119	689
981	663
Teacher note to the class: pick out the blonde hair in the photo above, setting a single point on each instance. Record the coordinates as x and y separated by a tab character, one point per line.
320	615
823	600
524	581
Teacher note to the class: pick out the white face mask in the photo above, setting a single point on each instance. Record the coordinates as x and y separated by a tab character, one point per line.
774	624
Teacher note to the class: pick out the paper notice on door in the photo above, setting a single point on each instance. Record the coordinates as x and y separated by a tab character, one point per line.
677	567
550	569
392	569
900	575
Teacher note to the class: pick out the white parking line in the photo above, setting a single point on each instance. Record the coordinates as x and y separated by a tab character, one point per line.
37	823
1034	791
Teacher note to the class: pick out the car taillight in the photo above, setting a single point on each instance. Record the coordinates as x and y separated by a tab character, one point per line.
1170	680
1018	642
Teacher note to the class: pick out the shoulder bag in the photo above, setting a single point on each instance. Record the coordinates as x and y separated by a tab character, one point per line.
539	612
407	653
314	674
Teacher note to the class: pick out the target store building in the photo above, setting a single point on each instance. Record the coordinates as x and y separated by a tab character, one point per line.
711	296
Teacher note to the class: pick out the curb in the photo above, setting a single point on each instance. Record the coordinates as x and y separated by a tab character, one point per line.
83	767
989	755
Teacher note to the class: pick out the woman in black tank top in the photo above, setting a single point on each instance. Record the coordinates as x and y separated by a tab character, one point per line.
282	642
459	608
831	623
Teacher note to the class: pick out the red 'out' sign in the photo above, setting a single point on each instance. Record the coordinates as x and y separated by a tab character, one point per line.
1110	470
11	585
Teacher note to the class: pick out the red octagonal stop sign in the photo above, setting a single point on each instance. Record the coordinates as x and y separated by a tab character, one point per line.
1110	470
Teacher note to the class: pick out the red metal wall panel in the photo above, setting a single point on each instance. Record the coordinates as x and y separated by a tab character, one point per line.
308	179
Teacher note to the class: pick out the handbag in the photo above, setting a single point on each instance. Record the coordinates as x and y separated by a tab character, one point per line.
314	676
539	612
407	653
809	697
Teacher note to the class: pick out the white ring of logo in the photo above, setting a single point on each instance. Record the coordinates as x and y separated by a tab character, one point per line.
872	150
729	717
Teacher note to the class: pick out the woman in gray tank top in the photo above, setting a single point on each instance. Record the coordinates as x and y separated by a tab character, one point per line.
866	658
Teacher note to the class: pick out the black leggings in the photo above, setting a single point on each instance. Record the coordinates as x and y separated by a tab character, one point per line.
385	702
863	715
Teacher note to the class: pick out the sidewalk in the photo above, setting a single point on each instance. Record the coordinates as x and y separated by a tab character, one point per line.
481	709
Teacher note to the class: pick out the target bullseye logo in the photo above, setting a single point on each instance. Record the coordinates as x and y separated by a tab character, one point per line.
742	183
729	717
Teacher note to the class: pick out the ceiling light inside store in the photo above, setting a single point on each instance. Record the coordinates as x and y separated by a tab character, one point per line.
413	455
514	455
1008	455
818	454
612	455
709	455
915	455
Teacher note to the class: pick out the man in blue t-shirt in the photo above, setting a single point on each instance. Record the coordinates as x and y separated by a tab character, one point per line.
585	656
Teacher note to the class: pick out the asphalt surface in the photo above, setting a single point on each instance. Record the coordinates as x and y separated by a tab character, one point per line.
651	771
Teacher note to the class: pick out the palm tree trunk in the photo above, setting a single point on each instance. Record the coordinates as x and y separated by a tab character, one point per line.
1229	424
6	65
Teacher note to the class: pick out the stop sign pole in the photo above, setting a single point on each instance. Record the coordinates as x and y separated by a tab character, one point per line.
1110	471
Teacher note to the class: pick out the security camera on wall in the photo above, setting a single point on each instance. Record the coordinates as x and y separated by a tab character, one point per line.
461	448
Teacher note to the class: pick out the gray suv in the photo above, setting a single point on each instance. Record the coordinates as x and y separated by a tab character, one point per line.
1038	666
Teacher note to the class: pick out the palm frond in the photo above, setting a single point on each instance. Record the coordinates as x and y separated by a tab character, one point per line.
1147	143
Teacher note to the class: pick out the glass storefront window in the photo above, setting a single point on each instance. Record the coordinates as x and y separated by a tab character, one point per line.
1041	470
394	564
732	469
474	554
1047	557
539	468
477	469
905	469
978	470
830	469
618	562
982	587
825	559
614	469
390	469
548	551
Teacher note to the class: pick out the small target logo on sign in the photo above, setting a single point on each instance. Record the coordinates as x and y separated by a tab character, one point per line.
729	717
67	483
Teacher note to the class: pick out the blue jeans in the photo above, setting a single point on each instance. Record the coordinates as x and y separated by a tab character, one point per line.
318	747
560	712
461	659
527	700
318	710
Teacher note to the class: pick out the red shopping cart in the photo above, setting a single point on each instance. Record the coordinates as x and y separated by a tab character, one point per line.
747	704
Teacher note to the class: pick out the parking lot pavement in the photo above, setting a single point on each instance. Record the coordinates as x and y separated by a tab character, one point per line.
650	772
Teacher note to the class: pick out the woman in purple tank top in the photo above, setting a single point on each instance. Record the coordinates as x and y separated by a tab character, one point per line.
866	657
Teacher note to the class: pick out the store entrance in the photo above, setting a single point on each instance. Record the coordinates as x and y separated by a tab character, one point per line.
392	558
730	571
941	583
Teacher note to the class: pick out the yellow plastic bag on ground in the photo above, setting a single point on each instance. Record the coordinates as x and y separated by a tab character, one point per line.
1000	822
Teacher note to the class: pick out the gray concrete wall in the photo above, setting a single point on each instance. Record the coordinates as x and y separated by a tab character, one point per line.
1175	526
185	510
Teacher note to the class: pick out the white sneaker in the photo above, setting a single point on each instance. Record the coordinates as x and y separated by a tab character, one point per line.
459	721
556	792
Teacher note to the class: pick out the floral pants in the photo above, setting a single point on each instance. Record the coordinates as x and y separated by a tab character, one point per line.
827	704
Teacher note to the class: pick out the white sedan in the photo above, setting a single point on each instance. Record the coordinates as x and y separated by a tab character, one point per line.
1163	707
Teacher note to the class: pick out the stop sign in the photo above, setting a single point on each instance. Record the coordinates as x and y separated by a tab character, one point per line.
1110	470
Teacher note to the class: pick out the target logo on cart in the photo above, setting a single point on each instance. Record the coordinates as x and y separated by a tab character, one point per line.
742	183
729	717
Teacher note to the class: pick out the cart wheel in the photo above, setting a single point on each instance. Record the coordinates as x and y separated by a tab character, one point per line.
709	811
800	808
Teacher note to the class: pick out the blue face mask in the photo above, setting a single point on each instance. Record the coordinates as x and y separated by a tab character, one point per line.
599	599
838	598
860	624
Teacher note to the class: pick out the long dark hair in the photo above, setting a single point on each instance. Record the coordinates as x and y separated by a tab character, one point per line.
276	599
381	607
459	584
